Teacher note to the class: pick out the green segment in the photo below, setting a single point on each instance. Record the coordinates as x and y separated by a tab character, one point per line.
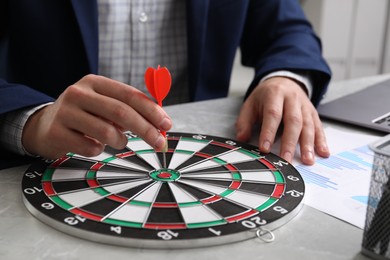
48	174
145	151
109	159
141	203
194	140
101	191
206	224
61	203
91	175
220	161
278	177
123	223
236	176
251	154
184	151
266	204
189	204
226	193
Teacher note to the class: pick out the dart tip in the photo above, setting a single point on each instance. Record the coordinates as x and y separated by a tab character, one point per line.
165	148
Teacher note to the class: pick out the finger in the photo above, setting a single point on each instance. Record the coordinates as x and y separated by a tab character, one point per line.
134	111
272	116
246	119
307	139
97	128
320	143
59	140
292	129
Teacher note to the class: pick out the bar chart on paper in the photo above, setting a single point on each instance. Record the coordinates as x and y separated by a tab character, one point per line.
339	185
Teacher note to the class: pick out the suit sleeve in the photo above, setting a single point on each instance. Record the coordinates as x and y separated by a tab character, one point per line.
15	96
277	36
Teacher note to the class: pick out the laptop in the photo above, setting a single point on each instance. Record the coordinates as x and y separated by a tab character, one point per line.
368	108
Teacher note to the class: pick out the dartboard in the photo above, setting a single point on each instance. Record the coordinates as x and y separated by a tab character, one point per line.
204	190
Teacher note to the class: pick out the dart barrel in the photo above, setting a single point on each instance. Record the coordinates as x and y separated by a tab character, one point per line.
376	236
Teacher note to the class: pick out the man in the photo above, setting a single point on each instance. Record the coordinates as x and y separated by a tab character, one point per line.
50	46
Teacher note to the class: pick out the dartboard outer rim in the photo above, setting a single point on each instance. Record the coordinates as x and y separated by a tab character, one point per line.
162	244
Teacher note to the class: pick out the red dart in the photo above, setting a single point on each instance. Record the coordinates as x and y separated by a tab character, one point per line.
158	82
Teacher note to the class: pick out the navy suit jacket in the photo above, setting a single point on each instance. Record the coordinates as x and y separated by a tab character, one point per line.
47	45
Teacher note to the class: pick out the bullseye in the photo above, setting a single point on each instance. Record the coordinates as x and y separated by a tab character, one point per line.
164	175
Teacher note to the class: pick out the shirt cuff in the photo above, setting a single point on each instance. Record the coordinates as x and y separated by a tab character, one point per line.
302	77
12	129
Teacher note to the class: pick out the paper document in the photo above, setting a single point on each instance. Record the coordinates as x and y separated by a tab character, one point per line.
339	185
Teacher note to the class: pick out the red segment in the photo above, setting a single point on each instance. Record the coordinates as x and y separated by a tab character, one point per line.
223	145
268	164
117	198
204	155
235	185
93	183
211	199
48	188
126	154
165	205
86	214
59	161
231	168
278	191
164	226
242	216
164	175
97	166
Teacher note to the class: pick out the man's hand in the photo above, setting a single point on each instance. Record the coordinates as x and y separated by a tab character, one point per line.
280	100
92	113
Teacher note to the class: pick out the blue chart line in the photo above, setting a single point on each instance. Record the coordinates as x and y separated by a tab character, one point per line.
353	161
314	178
336	163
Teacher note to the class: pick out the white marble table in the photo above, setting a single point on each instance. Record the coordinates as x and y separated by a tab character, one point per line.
310	235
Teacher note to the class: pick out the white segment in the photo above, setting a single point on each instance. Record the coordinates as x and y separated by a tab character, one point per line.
180	195
248	199
261	176
127	164
80	198
235	157
186	145
138	145
152	159
199	166
68	174
198	213
99	158
113	175
117	188
149	195
206	176
190	145
203	186
178	159
129	212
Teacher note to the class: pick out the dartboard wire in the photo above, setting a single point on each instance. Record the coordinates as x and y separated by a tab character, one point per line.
192	152
207	159
221	186
104	162
233	201
102	186
209	209
128	200
257	158
250	211
205	176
